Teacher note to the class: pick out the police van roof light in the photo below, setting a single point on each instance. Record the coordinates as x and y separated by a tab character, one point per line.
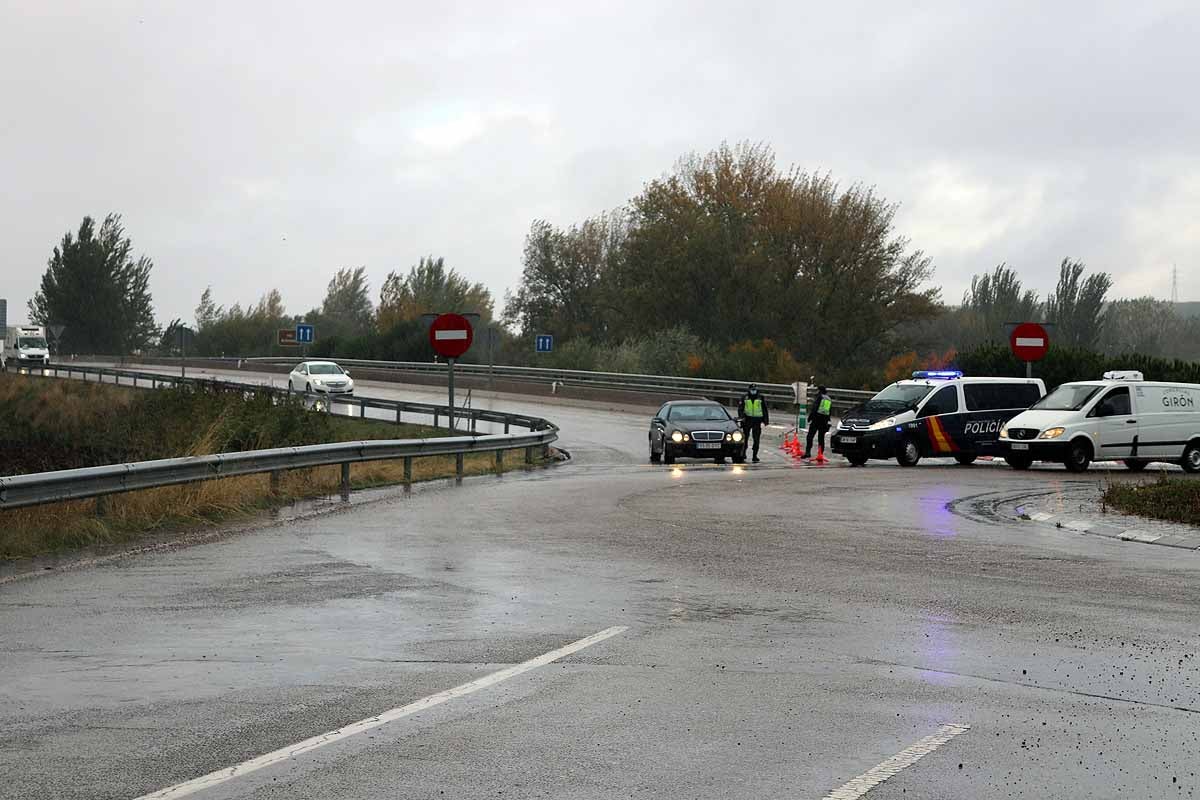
1123	375
938	374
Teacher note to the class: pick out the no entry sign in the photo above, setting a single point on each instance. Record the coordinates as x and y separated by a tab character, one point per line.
451	335
1029	342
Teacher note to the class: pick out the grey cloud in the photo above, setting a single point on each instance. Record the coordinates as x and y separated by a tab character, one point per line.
260	145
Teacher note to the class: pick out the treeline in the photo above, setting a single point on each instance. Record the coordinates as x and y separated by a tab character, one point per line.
727	266
348	322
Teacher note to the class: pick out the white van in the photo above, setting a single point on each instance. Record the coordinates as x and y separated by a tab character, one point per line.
1120	418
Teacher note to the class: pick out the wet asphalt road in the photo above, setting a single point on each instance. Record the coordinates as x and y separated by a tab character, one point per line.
788	630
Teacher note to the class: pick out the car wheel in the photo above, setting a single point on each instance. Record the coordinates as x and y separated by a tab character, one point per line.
290	387
1079	456
1134	465
1191	458
1019	462
856	460
964	459
909	453
667	456
655	458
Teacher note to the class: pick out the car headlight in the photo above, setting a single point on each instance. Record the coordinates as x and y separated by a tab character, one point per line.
1052	433
736	436
1004	432
883	423
676	437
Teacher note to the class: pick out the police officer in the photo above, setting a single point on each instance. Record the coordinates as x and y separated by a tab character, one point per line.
818	423
754	414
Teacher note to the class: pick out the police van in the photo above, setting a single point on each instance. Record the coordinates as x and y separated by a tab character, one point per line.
1120	418
936	414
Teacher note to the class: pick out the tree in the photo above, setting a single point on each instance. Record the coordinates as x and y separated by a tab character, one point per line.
208	313
429	288
730	246
563	284
347	308
1077	306
95	287
177	339
994	299
1142	325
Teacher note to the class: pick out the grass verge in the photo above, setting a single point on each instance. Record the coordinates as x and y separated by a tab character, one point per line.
1172	499
54	424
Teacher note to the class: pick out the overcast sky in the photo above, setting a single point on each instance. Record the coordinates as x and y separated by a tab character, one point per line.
252	145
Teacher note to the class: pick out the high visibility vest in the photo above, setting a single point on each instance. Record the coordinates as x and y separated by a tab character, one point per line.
825	406
753	407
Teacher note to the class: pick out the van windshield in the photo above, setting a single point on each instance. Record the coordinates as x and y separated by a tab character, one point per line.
898	396
1068	397
31	342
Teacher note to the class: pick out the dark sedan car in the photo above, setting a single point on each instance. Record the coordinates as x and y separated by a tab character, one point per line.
694	429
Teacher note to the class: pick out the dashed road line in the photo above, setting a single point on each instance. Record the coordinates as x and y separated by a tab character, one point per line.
315	742
901	761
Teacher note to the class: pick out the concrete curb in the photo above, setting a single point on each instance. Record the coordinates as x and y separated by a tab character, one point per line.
1080	523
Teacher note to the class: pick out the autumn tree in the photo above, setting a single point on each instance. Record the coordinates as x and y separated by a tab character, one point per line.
430	287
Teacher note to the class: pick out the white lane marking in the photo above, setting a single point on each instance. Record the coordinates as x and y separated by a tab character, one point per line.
442	336
902	760
1040	516
1078	525
308	745
1023	341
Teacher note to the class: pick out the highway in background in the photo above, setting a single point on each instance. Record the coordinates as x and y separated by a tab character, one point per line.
765	631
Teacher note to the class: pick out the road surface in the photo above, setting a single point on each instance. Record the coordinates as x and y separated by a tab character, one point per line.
758	632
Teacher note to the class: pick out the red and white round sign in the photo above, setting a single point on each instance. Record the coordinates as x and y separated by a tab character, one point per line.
1029	342
451	335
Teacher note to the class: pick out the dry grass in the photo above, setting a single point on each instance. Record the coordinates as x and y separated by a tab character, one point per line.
74	524
57	424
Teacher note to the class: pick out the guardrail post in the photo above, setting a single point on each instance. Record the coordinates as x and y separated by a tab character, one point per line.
276	477
362	408
407	470
101	506
397	415
474	422
528	455
345	479
458	466
435	418
499	461
506	426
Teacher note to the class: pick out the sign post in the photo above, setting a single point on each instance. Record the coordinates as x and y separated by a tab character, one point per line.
451	336
1029	342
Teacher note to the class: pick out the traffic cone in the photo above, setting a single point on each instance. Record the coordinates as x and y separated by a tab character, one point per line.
787	442
821	459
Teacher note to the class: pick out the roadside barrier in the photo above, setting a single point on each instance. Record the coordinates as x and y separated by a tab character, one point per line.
49	487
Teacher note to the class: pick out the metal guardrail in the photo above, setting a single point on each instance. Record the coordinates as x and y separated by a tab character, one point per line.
471	417
49	487
711	388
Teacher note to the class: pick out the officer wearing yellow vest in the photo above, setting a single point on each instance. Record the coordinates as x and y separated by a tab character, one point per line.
818	423
754	414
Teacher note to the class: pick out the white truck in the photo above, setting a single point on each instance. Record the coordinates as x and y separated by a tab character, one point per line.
24	347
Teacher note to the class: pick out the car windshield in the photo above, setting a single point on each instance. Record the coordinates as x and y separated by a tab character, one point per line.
1068	397
33	342
898	396
698	413
324	369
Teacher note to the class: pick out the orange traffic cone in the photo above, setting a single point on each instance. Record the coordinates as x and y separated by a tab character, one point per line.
787	442
821	459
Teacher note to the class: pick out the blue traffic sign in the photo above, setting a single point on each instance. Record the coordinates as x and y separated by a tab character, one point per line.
544	343
304	334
